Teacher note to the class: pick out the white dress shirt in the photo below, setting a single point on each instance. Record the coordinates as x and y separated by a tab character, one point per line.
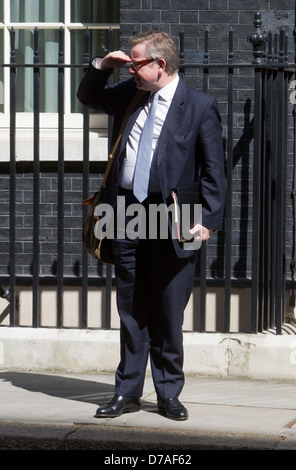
126	176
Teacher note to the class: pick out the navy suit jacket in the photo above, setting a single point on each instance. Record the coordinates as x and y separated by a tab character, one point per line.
190	145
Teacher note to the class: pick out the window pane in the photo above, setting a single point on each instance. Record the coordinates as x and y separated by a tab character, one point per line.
82	11
95	11
37	10
48	53
1	11
99	44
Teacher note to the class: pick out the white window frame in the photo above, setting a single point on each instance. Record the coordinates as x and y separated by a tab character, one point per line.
73	122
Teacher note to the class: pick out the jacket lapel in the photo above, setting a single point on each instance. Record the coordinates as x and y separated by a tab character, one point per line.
174	117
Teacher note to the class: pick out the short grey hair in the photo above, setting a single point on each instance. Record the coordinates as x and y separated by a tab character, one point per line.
160	45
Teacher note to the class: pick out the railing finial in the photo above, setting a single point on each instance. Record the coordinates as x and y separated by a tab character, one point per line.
258	39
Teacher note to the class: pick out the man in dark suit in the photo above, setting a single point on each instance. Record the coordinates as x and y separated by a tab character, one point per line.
154	276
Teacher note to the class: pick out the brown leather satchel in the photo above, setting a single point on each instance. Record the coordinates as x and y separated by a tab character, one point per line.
101	249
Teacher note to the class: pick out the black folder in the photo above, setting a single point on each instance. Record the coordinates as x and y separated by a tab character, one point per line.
187	209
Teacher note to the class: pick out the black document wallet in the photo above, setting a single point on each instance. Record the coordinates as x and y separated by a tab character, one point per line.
187	209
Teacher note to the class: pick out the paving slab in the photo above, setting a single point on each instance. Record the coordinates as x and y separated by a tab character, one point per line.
56	411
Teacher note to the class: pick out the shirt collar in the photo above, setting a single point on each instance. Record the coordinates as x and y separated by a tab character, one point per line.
168	91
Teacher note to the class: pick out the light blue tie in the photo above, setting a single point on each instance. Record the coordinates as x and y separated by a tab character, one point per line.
142	170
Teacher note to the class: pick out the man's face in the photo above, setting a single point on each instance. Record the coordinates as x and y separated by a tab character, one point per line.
146	74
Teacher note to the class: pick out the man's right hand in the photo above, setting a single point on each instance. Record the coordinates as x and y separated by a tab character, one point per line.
113	60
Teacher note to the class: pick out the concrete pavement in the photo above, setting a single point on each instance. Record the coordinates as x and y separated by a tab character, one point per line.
54	411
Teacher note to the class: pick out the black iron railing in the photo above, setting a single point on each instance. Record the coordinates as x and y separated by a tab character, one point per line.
257	219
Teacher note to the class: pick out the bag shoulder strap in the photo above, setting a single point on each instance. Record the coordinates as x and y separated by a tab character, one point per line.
129	109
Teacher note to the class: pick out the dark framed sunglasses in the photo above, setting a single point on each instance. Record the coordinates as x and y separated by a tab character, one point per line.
137	65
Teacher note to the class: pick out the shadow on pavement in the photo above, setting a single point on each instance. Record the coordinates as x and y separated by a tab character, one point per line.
66	387
60	386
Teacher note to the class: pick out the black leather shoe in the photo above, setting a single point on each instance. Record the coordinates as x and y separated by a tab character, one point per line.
117	406
173	409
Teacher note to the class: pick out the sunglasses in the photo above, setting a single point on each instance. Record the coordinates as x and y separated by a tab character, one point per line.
137	65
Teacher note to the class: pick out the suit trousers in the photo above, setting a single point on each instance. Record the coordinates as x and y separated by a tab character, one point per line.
153	287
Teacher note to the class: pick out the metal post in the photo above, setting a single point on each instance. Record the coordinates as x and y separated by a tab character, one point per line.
229	163
12	200
108	288
61	223
181	54
85	190
36	185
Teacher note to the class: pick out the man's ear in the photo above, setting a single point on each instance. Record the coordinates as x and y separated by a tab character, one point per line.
161	63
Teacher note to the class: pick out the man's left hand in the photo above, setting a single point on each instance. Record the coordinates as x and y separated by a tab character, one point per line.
202	233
